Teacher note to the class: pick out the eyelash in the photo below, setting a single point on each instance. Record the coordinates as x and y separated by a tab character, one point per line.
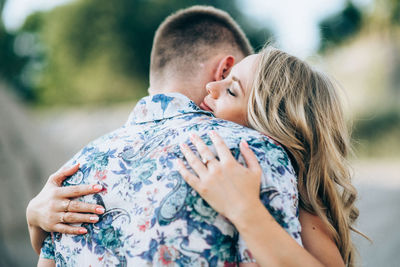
230	92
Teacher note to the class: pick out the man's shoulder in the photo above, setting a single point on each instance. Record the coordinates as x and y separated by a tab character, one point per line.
233	133
229	128
268	151
106	141
205	122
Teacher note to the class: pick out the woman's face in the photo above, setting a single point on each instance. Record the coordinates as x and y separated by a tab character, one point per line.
227	99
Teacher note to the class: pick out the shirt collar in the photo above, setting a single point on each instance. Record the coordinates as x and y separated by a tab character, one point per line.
163	106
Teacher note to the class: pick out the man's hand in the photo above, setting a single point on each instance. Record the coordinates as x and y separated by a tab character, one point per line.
52	209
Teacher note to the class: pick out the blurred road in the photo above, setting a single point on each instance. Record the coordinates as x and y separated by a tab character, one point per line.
378	183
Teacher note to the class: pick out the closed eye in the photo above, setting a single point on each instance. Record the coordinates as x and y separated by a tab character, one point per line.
230	92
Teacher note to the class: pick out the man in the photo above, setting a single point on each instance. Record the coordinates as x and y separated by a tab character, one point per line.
152	216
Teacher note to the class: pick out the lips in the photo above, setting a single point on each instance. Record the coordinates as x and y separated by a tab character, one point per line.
205	107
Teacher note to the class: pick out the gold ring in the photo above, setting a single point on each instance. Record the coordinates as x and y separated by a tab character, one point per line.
206	161
67	206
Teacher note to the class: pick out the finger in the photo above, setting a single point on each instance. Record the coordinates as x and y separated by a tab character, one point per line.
68	229
78	190
202	148
58	177
249	156
223	151
73	217
79	206
191	179
70	170
193	160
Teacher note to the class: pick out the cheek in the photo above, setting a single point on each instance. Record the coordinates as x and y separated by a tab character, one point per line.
237	115
230	110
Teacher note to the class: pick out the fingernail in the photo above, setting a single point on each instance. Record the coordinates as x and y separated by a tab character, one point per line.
82	231
97	187
244	143
73	166
184	146
93	218
211	133
178	162
100	210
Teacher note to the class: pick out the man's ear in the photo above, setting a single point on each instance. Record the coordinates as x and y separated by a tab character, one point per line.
224	67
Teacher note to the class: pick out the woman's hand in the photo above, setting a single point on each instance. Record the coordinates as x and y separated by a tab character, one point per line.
52	209
226	185
233	190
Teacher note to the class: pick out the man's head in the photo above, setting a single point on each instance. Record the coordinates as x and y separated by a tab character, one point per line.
193	47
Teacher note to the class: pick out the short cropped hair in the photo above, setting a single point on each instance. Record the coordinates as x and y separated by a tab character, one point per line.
194	34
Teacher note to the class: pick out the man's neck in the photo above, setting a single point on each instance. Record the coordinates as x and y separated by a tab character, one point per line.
187	88
191	85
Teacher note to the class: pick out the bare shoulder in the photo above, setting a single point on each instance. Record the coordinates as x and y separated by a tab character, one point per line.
318	241
313	223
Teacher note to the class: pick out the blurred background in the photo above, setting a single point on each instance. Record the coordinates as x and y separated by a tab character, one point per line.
72	70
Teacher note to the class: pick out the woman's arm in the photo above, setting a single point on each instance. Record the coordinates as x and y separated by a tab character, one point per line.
320	249
46	263
37	236
233	190
270	244
52	209
318	241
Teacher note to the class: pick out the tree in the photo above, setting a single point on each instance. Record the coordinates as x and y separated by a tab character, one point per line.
340	27
11	64
97	51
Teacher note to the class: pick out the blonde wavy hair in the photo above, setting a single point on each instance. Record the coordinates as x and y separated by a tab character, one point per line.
300	108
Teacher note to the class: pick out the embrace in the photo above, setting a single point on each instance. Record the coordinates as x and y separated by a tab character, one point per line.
234	159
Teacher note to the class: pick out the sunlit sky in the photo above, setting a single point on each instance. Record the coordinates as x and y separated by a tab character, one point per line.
294	22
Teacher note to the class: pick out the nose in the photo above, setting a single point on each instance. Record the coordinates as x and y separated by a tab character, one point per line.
213	89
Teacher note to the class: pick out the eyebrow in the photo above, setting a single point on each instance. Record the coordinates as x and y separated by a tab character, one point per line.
234	78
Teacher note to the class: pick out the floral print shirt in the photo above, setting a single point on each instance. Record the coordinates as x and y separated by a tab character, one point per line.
153	218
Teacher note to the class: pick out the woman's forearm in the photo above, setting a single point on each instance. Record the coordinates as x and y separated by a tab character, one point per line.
36	234
268	242
46	263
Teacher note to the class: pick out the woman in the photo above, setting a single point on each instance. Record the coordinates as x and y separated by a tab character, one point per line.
299	108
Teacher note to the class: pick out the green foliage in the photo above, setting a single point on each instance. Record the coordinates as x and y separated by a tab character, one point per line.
390	10
2	2
341	26
98	51
11	64
379	135
85	57
395	11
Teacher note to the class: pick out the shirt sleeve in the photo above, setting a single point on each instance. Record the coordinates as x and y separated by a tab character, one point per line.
278	191
47	250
